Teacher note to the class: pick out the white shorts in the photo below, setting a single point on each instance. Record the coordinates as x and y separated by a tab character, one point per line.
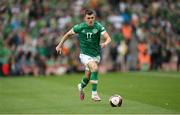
85	59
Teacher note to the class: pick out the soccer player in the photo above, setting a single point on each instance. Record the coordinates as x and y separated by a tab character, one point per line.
89	33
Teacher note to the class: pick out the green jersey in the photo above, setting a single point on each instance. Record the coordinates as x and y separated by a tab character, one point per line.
89	37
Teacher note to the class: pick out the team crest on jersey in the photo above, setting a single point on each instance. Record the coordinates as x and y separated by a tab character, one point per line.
94	31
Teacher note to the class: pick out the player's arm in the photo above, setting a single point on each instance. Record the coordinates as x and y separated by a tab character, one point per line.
107	39
64	38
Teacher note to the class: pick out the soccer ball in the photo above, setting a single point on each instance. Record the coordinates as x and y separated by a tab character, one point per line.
115	100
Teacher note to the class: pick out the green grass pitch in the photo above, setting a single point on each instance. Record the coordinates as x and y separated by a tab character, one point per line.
142	92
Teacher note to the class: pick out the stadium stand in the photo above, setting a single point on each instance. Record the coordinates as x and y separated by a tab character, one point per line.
146	35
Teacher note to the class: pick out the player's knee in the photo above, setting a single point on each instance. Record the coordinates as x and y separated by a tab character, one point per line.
94	68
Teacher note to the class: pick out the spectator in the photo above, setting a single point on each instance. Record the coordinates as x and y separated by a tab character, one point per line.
144	61
33	32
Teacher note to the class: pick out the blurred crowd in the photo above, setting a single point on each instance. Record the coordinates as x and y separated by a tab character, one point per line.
145	35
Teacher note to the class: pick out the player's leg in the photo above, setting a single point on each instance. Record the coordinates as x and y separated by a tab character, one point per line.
83	84
85	79
94	79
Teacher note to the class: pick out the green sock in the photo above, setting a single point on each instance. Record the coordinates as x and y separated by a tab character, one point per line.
94	87
84	82
94	80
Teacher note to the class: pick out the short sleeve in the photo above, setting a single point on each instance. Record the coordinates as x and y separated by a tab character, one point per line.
102	29
77	28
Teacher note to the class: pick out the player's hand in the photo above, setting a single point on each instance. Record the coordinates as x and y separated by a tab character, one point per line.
59	49
103	45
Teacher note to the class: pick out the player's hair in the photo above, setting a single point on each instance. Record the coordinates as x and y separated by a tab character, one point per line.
89	12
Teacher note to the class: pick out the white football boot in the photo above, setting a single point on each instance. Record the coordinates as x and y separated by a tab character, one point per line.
95	97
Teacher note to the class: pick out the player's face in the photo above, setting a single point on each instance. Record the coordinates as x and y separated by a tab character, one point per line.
90	19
